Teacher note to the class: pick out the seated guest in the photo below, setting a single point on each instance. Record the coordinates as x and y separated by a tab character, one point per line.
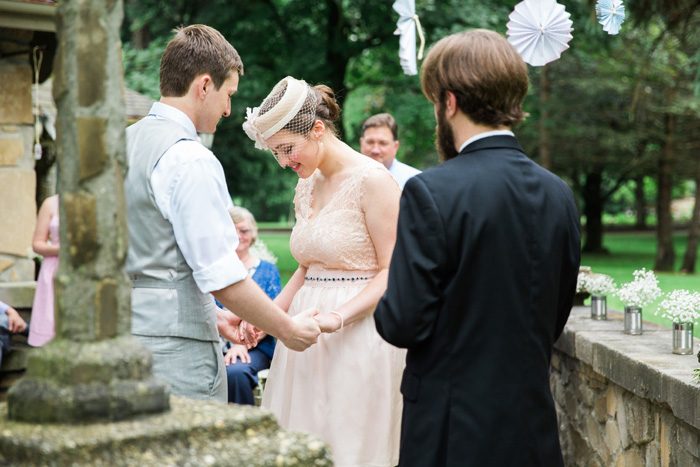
242	364
10	323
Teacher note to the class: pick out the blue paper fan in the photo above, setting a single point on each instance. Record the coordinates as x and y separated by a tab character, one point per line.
611	14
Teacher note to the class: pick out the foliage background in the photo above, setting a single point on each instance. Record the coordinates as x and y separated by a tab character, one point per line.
617	117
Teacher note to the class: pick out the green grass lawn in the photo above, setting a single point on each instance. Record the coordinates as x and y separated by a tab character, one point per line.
278	243
628	252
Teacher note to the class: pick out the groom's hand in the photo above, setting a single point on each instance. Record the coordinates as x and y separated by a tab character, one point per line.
305	331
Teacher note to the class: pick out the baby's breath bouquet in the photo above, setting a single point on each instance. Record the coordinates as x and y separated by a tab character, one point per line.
600	284
643	290
680	306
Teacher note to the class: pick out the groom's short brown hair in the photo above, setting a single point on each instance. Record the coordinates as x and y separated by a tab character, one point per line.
196	50
484	72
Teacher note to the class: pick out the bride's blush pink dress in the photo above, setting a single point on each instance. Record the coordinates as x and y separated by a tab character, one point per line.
345	388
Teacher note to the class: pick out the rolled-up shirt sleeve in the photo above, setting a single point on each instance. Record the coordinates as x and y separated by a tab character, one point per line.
3	307
190	190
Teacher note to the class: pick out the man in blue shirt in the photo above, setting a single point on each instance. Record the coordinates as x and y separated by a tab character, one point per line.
380	142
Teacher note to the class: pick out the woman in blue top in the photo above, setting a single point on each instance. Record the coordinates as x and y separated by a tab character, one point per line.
242	364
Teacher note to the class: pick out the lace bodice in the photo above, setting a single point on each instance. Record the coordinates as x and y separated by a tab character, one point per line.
337	236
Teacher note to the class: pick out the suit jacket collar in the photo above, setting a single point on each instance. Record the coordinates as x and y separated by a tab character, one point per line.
493	142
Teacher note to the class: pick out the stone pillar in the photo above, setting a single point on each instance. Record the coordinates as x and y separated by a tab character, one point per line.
94	369
17	179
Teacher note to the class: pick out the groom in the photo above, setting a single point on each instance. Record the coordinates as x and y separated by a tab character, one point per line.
483	274
182	242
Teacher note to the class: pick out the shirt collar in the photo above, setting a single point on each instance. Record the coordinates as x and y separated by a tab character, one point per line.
485	134
160	110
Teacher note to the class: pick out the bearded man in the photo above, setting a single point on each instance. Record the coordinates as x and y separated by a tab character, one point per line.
483	274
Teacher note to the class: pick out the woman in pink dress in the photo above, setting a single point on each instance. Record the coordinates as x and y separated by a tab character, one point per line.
346	387
45	243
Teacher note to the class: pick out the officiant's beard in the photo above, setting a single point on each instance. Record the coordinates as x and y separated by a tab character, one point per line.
445	136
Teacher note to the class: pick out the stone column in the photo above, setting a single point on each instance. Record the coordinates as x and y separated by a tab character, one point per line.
94	369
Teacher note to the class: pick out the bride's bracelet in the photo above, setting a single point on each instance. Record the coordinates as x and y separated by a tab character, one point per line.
341	320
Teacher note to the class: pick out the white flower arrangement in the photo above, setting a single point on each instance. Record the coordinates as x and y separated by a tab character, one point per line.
581	282
600	284
643	290
680	306
260	250
595	284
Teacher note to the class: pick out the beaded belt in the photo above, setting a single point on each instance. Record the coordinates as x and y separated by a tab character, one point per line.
337	277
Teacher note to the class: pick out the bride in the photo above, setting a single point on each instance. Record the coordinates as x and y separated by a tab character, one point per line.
346	387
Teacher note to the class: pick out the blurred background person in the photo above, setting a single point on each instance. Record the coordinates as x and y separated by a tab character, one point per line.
46	244
10	323
380	142
243	364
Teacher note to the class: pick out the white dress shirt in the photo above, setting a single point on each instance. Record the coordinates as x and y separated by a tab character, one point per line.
190	191
485	134
402	172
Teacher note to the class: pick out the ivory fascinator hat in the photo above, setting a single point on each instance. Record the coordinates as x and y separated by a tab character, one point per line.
288	98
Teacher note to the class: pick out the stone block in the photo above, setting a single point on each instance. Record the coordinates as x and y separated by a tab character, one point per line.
632	458
688	438
17	211
11	149
665	444
92	146
81	217
192	433
610	401
621	417
15	93
641	423
652	457
685	459
597	441
18	294
600	408
17	269
92	57
612	436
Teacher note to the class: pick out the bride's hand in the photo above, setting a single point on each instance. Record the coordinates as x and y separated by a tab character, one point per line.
328	322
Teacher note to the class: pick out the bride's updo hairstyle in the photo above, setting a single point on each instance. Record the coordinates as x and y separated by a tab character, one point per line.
293	106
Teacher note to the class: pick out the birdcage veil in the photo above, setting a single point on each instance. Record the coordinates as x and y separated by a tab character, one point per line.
284	119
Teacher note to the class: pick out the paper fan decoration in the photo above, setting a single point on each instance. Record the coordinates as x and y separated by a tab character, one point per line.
539	30
611	14
406	27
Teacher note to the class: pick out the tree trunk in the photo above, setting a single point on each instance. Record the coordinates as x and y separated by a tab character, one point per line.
640	203
691	252
337	54
593	210
665	254
545	91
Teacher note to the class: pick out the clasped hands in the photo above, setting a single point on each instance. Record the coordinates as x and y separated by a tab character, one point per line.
307	327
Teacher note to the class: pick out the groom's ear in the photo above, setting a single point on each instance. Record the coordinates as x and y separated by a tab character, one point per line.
201	86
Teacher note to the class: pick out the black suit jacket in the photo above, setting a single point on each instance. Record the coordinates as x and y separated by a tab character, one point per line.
481	284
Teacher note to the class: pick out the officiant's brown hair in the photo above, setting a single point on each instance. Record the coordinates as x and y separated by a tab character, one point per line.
484	71
195	50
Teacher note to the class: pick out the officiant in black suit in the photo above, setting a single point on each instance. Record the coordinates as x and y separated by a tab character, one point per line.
483	274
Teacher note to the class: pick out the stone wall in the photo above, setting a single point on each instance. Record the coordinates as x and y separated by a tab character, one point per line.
624	400
17	178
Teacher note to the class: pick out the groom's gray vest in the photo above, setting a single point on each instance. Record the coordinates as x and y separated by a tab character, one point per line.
165	299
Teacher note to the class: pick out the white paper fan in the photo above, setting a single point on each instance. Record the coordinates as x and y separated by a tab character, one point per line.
611	14
539	30
406	27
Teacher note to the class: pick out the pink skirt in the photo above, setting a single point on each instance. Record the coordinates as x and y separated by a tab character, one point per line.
345	388
41	328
